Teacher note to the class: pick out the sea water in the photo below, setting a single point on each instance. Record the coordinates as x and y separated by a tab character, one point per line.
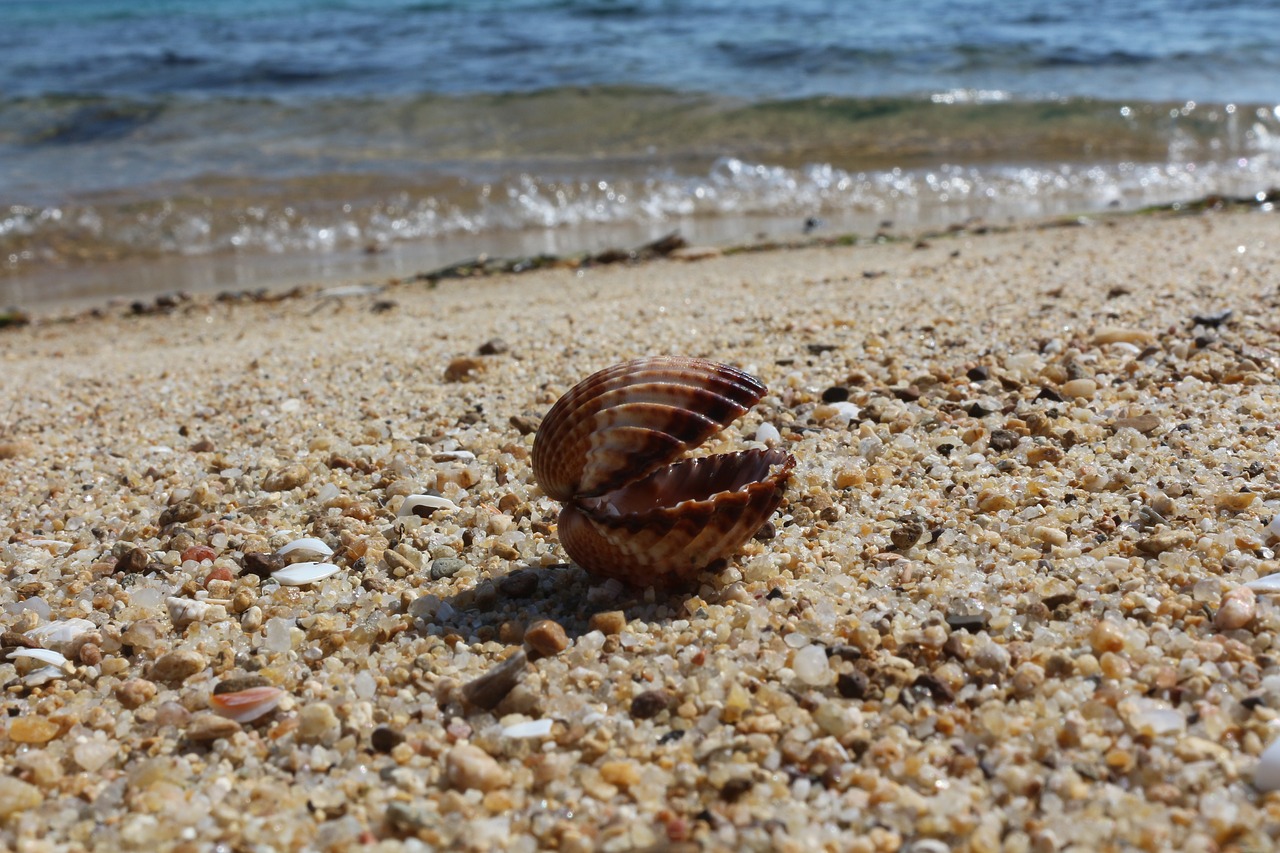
168	144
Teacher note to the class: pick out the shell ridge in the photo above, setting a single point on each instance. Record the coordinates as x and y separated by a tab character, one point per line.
609	448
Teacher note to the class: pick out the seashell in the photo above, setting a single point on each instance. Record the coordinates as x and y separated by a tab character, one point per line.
431	502
608	451
1266	583
1266	777
306	543
301	574
45	656
60	631
246	705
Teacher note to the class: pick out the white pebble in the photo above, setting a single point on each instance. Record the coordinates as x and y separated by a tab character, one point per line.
846	412
1274	527
810	665
1266	777
184	611
306	543
768	434
301	574
532	728
278	635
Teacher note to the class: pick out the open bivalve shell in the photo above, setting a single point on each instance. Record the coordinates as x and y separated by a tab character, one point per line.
608	451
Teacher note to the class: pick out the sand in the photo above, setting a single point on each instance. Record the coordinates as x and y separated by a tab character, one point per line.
998	610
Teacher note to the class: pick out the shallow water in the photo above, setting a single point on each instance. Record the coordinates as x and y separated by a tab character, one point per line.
316	134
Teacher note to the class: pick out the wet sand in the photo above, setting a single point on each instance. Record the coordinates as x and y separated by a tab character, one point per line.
998	609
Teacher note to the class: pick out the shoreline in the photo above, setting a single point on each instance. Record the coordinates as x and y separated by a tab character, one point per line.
286	281
1000	607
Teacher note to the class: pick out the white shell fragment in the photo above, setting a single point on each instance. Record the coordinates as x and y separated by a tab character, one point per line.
455	455
412	502
44	655
1266	583
1274	527
306	543
184	611
532	728
301	574
60	631
1266	777
246	705
767	433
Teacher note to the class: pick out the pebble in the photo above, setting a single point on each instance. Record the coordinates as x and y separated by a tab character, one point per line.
492	687
144	634
17	796
132	561
468	767
608	622
650	703
286	478
385	739
493	346
446	567
907	533
852	685
207	727
30	729
1237	609
1080	388
810	665
318	723
135	692
1120	334
546	637
177	666
463	368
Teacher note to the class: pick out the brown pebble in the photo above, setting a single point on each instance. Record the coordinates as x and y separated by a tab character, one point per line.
177	666
518	584
198	554
261	564
1106	636
1142	423
181	512
907	533
1002	440
90	654
14	449
143	634
135	692
239	682
650	704
132	561
505	551
609	622
524	425
30	729
210	727
852	685
385	739
469	767
286	478
493	346
491	688
204	445
546	637
463	367
219	573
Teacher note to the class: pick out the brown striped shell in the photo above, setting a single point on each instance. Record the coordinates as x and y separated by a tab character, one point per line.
608	451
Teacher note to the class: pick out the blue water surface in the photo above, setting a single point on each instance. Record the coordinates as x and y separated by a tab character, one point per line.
1222	50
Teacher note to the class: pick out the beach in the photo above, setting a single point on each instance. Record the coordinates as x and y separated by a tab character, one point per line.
1000	608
